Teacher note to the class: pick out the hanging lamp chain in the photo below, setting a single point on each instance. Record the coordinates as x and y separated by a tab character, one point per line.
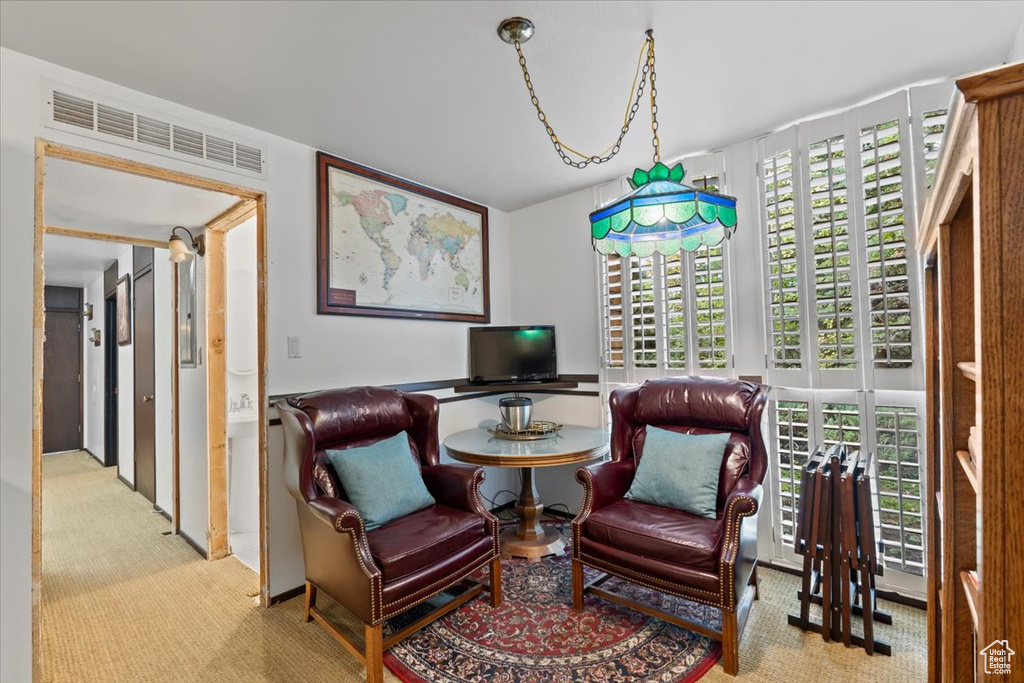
654	97
644	69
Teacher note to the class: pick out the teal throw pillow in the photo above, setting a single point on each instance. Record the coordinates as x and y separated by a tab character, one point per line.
680	471
381	480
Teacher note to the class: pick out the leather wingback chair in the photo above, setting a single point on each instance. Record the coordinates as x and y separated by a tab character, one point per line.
710	561
378	574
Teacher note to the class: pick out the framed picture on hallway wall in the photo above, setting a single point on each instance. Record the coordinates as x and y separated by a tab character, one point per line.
389	247
124	310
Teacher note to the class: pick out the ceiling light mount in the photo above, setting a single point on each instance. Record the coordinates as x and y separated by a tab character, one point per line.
515	30
179	250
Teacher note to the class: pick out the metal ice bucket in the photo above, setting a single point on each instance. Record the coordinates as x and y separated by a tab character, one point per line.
515	412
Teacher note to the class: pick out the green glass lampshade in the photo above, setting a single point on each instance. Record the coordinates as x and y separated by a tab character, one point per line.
662	214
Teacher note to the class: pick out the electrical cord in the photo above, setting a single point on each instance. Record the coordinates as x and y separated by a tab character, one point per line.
493	501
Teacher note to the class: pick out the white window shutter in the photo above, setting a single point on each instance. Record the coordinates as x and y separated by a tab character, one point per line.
613	336
781	221
677	313
893	338
709	282
644	329
929	111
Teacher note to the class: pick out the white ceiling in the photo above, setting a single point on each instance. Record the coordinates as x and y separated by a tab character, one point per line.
426	90
116	203
75	262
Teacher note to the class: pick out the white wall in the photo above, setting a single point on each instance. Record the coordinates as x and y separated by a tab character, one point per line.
163	328
126	384
93	375
193	446
242	394
1017	49
556	280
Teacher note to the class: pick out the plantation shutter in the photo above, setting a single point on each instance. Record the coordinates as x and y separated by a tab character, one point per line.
777	181
831	237
676	313
709	283
893	338
644	329
613	346
929	113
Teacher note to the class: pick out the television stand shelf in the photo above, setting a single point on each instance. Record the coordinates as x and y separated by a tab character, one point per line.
522	387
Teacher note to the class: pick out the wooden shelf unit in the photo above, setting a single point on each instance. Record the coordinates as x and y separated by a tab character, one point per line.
971	240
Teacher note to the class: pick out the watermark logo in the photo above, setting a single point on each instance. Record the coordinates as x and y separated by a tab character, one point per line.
997	657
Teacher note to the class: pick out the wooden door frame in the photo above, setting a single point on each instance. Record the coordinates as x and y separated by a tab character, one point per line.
255	204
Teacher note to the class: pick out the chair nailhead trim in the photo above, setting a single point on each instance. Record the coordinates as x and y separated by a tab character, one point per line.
463	575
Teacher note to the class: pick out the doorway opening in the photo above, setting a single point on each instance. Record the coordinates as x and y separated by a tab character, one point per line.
148	427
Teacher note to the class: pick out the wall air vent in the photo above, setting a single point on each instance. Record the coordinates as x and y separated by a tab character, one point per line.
75	111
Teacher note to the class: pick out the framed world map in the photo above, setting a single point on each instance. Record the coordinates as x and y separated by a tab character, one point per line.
389	247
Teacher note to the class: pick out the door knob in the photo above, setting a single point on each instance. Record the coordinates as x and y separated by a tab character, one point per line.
147	399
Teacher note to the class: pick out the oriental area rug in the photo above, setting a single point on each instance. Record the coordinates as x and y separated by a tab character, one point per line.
535	637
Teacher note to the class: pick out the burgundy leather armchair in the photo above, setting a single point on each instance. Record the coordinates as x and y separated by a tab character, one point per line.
380	573
711	561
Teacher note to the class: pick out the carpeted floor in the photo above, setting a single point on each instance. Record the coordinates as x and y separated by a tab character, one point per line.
123	602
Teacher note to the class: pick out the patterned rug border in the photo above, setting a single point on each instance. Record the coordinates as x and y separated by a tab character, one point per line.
438	674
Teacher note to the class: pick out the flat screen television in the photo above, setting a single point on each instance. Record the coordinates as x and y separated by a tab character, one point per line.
512	354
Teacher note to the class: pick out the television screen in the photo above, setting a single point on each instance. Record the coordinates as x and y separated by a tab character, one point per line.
512	354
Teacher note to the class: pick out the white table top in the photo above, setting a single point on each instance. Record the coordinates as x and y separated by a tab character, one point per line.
571	444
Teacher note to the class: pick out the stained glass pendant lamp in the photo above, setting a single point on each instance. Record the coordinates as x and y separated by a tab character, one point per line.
661	213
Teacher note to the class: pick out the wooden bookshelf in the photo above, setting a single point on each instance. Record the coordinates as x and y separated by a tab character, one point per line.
971	238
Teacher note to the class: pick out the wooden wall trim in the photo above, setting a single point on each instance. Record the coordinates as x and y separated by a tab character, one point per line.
55	151
262	403
102	236
233	216
37	408
216	390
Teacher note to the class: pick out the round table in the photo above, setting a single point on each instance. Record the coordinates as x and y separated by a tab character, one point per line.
571	444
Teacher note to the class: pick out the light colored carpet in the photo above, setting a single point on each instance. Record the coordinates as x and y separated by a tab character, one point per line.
123	602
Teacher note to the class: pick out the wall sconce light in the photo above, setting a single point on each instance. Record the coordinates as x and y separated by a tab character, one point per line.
180	251
95	337
87	311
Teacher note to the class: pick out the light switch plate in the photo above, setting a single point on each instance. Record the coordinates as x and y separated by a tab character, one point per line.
294	350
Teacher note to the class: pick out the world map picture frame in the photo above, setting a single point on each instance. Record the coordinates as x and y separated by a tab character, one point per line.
388	247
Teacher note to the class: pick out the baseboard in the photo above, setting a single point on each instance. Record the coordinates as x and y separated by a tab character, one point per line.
163	512
126	482
288	594
96	457
195	546
884	595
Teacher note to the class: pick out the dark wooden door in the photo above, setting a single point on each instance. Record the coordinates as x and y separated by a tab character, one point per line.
145	377
62	370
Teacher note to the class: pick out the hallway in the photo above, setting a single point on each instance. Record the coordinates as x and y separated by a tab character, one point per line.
123	602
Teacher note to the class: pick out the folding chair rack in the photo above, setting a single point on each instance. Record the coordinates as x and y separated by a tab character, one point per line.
835	533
